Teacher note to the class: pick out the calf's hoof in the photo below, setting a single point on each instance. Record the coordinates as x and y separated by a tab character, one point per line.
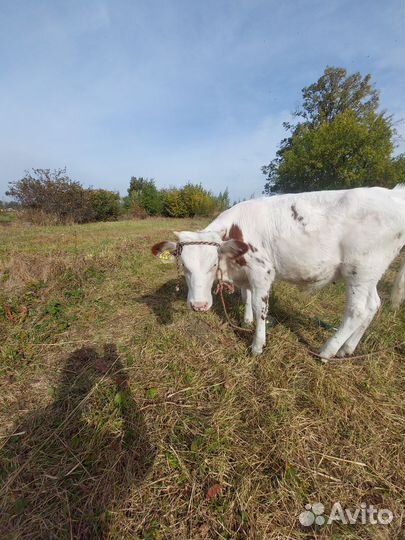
341	353
256	350
325	356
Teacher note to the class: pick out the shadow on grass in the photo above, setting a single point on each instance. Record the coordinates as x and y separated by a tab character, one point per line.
68	466
162	299
296	322
161	303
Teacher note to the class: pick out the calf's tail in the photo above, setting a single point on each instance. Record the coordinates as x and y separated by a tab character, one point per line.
398	290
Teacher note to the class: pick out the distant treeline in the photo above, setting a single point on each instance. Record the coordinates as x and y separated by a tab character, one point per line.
144	199
9	205
46	196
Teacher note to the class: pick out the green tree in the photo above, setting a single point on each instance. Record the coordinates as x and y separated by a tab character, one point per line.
339	141
143	193
105	204
336	92
222	200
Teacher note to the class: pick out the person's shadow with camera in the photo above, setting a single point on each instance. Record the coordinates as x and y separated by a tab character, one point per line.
68	467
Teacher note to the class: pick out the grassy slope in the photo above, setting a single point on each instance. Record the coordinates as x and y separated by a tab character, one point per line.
126	407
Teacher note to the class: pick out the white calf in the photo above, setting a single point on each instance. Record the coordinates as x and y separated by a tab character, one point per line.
309	239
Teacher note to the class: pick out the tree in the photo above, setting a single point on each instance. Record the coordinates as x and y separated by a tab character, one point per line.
340	141
336	92
222	200
142	192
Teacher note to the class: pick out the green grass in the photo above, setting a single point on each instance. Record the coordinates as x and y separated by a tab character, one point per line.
120	408
7	217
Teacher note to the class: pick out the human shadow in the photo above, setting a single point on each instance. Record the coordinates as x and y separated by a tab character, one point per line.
67	467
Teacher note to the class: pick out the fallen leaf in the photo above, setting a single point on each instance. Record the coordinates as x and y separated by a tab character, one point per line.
214	490
9	313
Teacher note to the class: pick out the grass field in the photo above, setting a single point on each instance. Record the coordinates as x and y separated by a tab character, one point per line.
126	416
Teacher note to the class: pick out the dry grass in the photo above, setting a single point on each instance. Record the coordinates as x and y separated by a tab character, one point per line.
120	408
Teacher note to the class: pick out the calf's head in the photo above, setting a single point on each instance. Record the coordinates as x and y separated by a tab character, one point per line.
201	253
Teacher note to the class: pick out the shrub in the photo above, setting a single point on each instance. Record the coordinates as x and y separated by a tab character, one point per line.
105	204
52	193
143	193
193	200
135	211
173	203
197	200
49	196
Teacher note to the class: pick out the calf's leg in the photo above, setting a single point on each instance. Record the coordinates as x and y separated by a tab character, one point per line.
260	289
373	304
247	299
358	312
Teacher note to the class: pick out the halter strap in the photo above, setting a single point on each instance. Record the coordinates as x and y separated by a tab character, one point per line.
180	245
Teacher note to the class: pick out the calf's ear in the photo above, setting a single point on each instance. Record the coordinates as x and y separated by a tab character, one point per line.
163	247
233	248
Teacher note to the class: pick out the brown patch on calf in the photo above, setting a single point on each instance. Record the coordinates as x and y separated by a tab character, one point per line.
235	233
241	261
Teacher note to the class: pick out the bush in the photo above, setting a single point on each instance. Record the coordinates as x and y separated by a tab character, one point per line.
142	193
47	196
52	193
105	204
197	200
135	211
173	203
193	200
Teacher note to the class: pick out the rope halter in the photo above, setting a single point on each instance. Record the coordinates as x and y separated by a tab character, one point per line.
221	286
180	245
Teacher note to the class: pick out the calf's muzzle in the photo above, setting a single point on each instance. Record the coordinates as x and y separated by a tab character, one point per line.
200	306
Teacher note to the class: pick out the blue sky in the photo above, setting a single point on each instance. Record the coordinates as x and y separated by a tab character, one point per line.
177	90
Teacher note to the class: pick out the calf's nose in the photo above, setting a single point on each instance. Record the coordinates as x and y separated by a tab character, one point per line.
200	306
